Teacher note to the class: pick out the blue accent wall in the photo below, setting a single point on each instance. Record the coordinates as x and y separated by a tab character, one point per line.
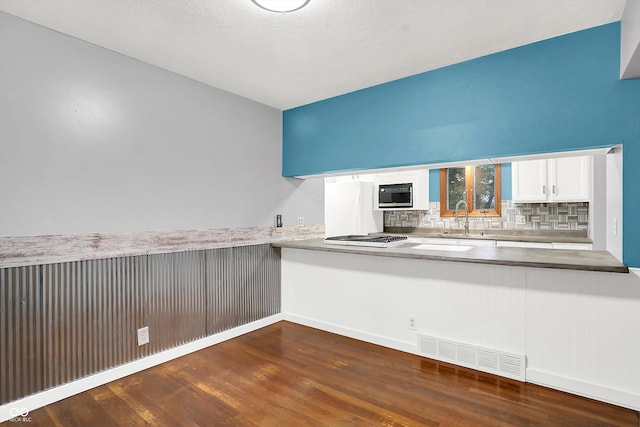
505	180
560	94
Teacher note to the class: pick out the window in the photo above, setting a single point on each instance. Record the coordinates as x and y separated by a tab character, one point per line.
478	186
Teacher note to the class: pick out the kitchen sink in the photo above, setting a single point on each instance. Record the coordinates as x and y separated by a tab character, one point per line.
442	247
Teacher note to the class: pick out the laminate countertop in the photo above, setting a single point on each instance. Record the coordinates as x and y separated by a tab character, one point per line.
36	250
519	257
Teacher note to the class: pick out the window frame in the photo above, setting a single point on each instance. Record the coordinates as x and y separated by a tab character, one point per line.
469	181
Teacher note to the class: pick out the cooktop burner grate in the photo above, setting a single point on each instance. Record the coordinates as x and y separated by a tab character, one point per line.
374	241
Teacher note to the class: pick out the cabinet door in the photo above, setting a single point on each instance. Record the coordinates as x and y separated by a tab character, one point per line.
570	179
529	181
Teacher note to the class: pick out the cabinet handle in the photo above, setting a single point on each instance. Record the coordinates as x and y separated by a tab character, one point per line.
544	189
554	190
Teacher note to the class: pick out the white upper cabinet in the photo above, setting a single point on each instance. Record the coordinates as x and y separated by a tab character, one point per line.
572	178
529	181
565	179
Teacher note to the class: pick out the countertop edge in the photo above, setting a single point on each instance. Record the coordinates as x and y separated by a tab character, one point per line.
26	251
515	257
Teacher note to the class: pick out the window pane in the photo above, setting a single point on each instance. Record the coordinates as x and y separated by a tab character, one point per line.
484	187
456	187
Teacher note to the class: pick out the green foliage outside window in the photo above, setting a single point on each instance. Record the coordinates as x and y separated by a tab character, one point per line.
484	187
478	186
456	187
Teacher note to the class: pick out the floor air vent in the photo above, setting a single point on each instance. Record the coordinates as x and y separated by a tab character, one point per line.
483	359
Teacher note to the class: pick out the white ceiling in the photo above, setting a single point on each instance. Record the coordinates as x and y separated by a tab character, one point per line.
328	48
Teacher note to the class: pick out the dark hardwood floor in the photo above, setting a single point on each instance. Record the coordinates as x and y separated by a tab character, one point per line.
291	375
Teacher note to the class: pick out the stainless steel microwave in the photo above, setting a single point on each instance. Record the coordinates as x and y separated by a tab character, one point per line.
395	195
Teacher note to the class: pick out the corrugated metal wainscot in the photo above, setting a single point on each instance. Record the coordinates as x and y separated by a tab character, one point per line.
61	322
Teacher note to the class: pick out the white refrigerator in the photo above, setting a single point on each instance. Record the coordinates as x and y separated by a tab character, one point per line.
348	208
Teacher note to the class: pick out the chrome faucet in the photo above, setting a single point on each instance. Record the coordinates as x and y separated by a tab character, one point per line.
466	215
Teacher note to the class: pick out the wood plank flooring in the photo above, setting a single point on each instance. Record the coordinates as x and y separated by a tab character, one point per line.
291	375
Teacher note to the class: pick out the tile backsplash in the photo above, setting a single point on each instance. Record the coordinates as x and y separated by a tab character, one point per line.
515	216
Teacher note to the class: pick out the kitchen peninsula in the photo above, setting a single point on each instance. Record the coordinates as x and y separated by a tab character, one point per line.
518	257
559	318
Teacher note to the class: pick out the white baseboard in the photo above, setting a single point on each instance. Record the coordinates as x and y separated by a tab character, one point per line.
27	404
407	347
592	391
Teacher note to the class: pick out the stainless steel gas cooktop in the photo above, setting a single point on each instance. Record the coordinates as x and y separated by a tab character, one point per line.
374	241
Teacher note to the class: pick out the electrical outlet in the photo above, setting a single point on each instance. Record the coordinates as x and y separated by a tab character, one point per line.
520	219
412	323
300	221
143	336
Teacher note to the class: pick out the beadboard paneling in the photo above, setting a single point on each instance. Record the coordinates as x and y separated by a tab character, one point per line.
375	296
585	326
578	329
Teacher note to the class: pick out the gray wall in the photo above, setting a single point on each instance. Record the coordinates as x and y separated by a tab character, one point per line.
93	141
630	41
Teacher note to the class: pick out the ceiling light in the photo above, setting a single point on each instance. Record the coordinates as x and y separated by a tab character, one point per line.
282	6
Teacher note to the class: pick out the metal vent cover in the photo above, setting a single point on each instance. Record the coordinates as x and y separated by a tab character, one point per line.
447	350
428	346
472	356
488	359
466	354
510	364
